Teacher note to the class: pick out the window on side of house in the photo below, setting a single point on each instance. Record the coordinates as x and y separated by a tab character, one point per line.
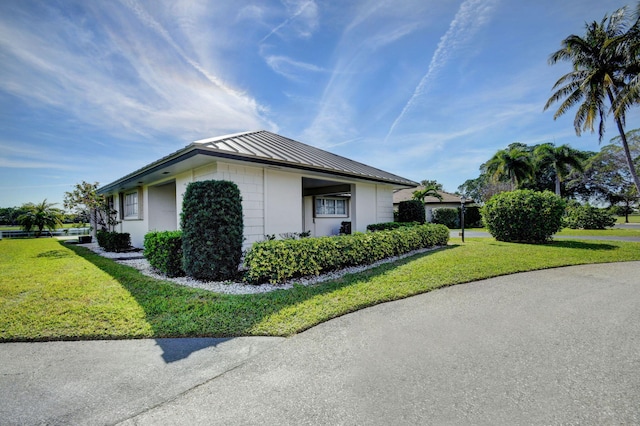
130	205
331	207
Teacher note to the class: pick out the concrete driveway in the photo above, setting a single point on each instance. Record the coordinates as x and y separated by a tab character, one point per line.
560	346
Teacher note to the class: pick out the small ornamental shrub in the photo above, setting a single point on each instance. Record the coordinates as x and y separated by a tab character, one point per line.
385	226
212	230
280	260
114	241
163	250
524	216
588	217
446	216
411	211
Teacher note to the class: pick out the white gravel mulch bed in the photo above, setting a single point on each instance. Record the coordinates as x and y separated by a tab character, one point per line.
137	261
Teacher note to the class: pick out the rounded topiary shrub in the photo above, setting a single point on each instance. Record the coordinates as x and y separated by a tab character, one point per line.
524	216
411	211
212	230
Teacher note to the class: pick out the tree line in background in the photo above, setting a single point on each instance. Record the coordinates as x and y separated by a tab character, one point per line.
604	82
84	207
590	177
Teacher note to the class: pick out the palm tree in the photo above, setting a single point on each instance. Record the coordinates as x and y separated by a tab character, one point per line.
428	191
562	159
629	46
604	69
40	216
513	163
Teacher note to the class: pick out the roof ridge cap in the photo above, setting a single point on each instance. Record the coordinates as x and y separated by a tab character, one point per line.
223	137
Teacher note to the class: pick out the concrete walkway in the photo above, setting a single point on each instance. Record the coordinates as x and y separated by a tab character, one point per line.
560	346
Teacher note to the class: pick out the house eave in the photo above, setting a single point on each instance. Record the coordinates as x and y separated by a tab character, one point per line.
140	177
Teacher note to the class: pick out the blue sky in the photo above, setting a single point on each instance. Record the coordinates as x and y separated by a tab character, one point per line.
426	89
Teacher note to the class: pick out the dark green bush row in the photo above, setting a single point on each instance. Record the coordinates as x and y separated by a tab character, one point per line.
279	260
163	250
114	241
588	217
411	211
524	216
449	217
473	217
385	226
212	230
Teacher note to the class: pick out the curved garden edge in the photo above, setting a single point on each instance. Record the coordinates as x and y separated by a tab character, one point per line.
86	296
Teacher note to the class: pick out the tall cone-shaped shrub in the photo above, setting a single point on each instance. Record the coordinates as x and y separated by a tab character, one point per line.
212	230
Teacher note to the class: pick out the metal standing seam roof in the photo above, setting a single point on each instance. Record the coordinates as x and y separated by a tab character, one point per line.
269	148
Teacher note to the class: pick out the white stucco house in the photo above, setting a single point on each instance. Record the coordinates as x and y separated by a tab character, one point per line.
286	186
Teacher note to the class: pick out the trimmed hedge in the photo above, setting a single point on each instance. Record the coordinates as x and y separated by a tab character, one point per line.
411	211
279	260
385	226
114	241
447	216
524	216
163	250
473	217
212	230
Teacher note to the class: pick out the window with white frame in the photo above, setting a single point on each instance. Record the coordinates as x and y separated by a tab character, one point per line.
331	207
130	205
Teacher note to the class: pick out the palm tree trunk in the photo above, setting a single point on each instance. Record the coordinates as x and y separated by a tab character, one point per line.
558	185
627	154
625	146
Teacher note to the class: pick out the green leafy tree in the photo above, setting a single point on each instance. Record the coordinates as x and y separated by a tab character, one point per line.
40	216
514	164
603	79
9	215
562	159
91	206
482	188
606	178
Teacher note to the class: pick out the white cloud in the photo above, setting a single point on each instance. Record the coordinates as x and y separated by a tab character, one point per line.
302	18
471	15
290	68
125	72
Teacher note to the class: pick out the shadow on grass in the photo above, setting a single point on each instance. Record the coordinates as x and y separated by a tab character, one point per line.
572	244
582	245
176	311
54	254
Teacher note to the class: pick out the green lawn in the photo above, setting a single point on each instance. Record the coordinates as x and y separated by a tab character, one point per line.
50	291
613	232
633	218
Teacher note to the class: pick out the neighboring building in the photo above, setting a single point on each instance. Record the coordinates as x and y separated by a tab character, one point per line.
286	186
451	201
